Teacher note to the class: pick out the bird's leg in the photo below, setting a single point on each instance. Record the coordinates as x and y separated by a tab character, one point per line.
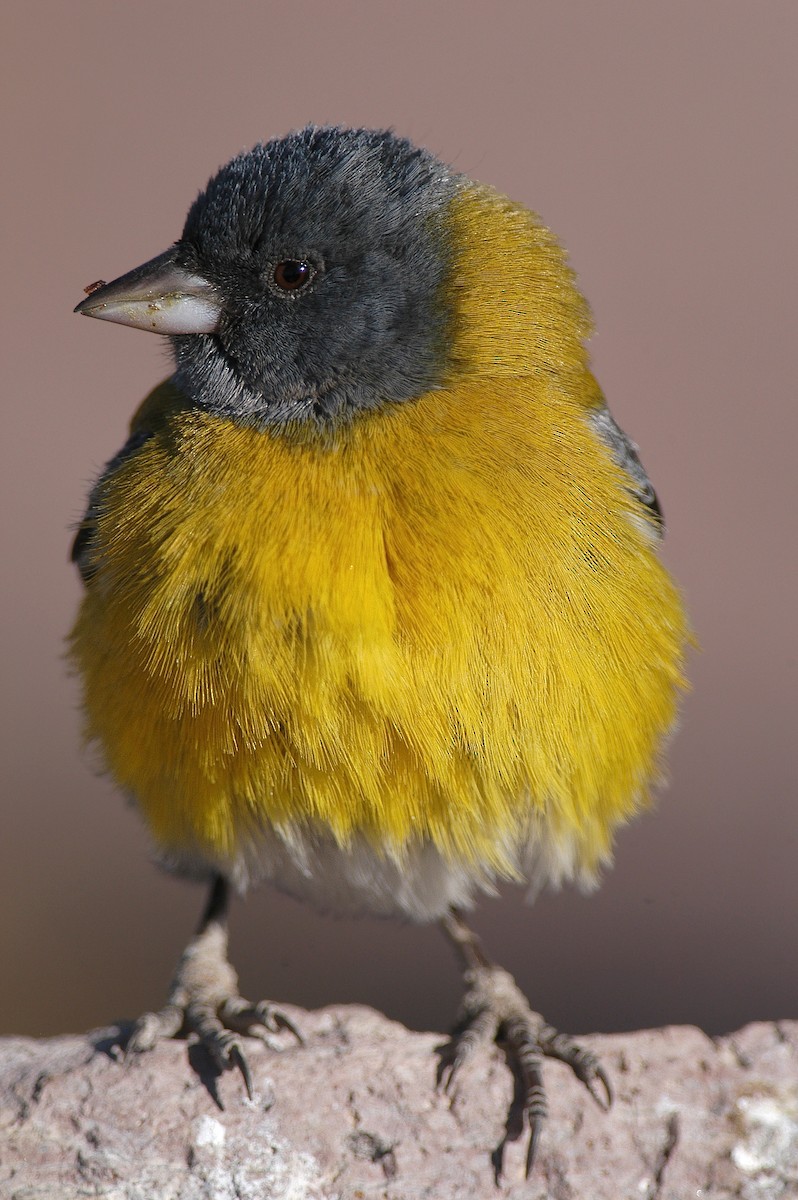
204	998
494	1008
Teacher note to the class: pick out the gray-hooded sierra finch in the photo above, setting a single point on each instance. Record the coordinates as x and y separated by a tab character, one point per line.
373	603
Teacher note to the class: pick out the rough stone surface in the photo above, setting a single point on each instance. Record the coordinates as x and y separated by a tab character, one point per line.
354	1115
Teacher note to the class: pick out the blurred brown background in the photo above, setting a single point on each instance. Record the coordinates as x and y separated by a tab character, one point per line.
658	140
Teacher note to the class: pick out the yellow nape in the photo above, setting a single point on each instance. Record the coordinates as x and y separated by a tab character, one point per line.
444	621
516	308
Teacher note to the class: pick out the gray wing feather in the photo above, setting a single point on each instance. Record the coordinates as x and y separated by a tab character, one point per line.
624	452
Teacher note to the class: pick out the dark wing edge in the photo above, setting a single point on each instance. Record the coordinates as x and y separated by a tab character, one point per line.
625	455
162	403
82	553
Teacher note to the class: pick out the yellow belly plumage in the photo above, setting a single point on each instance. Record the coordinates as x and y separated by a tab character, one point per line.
444	623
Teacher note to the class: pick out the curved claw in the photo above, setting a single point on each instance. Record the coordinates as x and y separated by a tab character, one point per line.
448	1075
281	1021
604	1102
451	1060
443	1071
236	1059
535	1126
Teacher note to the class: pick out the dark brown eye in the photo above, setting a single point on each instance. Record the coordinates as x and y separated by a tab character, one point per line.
292	273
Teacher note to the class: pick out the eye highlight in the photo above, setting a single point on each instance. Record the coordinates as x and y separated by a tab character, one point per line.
292	274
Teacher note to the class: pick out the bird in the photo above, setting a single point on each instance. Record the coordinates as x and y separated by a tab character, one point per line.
374	608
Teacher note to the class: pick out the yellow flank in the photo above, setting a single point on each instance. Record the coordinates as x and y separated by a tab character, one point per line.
438	622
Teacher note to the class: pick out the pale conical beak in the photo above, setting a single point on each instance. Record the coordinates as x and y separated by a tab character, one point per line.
159	296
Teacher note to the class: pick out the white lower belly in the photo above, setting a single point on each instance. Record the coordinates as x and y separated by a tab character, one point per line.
420	884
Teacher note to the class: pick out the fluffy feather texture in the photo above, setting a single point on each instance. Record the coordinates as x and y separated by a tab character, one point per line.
435	633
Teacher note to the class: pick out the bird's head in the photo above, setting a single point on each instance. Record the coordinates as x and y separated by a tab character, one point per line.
335	270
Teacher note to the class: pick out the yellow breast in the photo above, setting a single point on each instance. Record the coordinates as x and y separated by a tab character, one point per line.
439	623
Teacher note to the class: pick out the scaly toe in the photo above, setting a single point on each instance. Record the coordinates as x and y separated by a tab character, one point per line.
479	1030
584	1064
151	1028
525	1056
256	1020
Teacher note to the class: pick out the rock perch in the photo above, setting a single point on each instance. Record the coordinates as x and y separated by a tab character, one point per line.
354	1115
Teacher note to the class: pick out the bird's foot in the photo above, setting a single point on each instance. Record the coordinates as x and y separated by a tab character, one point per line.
494	1009
204	1001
